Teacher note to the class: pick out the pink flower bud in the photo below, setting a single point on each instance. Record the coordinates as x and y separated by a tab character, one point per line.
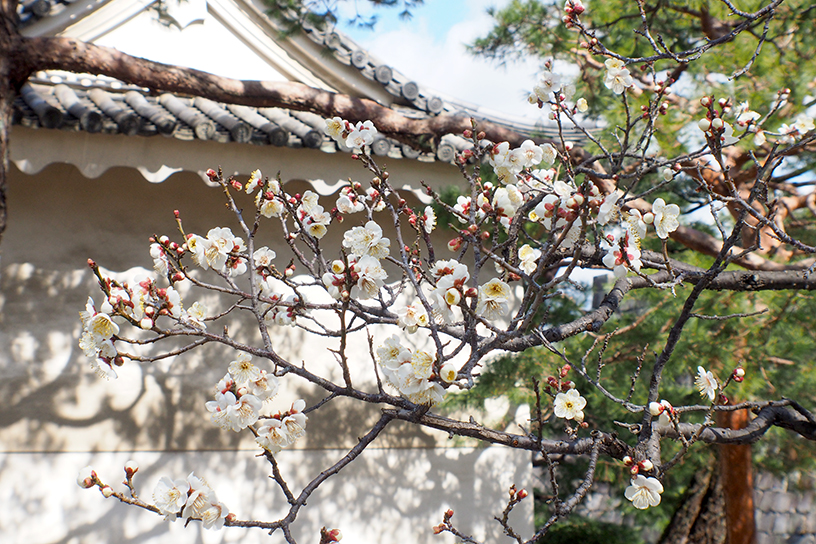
86	478
522	494
449	514
131	468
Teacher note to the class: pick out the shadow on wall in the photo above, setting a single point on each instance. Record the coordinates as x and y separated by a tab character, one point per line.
59	416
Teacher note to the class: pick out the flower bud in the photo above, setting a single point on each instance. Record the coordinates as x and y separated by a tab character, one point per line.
107	491
334	535
704	125
86	478
448	372
705	101
627	460
146	323
438	529
717	123
453	296
522	494
739	372
448	513
131	468
655	408
646	465
648	218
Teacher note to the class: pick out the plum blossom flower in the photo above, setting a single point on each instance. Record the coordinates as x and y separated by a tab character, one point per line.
429	219
745	116
195	315
170	496
528	258
609	208
335	127
665	218
242	370
621	260
367	240
272	435
412	317
448	372
362	135
548	83
202	503
549	154
493	299
582	105
644	492
255	181
160	261
617	76
570	405
706	383
371	277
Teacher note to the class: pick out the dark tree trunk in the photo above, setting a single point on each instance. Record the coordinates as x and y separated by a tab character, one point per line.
701	516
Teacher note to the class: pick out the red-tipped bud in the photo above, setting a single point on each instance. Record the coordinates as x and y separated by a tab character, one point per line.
176	213
467	133
212	174
131	468
448	513
522	494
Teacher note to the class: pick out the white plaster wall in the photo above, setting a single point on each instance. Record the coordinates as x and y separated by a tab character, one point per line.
59	416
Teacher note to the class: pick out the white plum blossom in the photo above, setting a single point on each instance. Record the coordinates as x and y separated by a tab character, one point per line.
371	277
429	219
272	435
202	503
609	208
644	492
581	105
635	224
412	317
362	135
255	181
548	83
549	154
528	258
195	315
727	137
160	262
617	76
706	383
242	370
348	203
170	496
263	257
494	299
367	241
570	405
620	261
745	116
214	250
335	128
448	372
283	429
665	218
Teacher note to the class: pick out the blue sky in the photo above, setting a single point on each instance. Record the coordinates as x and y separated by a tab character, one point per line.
430	48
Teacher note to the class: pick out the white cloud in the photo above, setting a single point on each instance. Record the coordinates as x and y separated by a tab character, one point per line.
443	64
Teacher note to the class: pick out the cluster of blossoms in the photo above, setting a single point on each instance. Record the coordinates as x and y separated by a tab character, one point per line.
366	246
282	429
190	498
412	373
572	10
240	395
142	305
352	136
220	250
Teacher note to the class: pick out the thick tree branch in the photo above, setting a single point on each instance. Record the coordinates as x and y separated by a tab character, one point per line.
76	56
780	416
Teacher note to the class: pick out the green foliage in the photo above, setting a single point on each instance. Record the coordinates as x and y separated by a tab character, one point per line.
587	531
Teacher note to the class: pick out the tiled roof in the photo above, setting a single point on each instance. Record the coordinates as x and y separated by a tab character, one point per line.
97	104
